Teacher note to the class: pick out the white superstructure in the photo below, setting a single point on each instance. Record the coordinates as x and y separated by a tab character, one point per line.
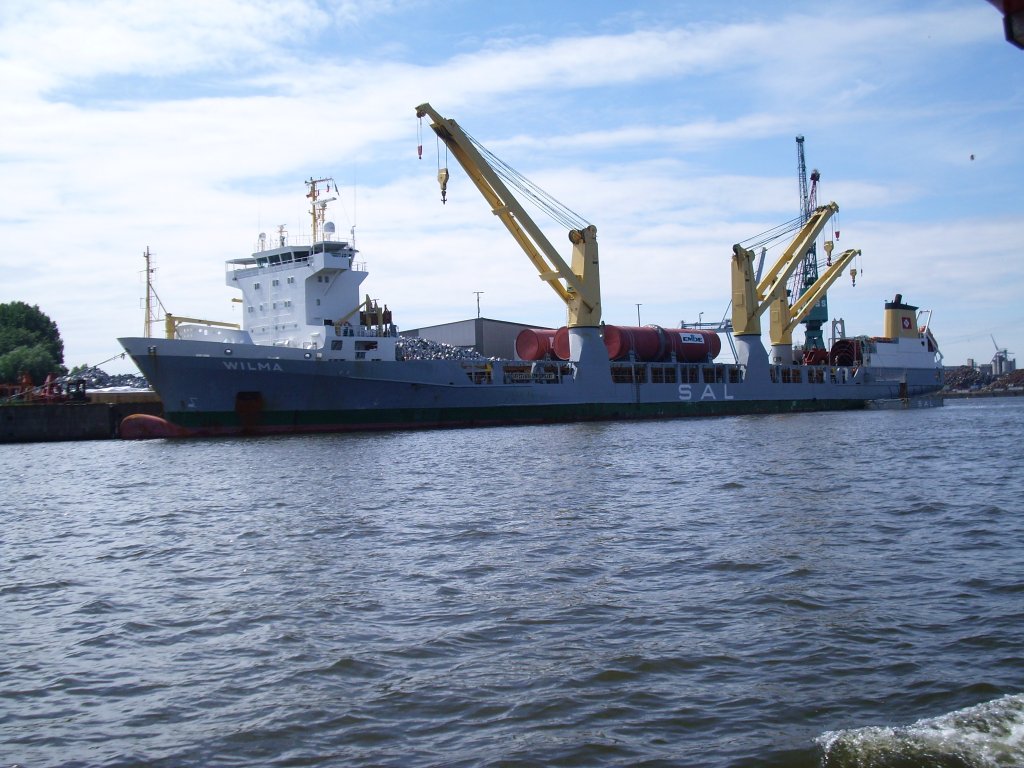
306	295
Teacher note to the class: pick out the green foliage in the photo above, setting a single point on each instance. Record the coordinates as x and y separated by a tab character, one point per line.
29	341
36	361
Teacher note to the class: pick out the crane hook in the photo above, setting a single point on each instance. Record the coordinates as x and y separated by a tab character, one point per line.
442	179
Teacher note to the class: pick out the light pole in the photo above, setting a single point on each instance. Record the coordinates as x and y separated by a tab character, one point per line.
638	315
478	302
700	318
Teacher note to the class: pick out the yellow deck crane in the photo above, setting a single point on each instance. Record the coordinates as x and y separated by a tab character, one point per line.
785	318
171	323
370	311
578	284
752	298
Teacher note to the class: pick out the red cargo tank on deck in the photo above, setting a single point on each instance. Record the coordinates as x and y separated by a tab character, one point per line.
534	343
845	352
648	344
561	343
655	344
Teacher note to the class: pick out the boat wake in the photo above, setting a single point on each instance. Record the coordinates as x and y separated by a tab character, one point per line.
987	735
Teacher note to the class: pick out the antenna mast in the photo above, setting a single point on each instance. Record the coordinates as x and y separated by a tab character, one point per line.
148	329
318	207
153	303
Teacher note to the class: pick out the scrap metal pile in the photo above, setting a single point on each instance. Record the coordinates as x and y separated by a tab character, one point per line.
413	348
965	378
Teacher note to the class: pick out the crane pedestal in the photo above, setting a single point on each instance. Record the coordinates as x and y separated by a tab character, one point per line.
586	345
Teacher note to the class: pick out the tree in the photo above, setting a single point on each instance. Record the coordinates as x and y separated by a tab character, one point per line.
35	361
29	342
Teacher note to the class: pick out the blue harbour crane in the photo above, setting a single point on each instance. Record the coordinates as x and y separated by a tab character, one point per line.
807	273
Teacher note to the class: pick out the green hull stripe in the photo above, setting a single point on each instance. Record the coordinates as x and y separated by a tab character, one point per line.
413	418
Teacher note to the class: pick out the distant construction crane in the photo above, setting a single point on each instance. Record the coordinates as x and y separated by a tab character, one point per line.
1001	362
807	273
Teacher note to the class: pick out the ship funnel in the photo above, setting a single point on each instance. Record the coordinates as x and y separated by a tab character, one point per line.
900	319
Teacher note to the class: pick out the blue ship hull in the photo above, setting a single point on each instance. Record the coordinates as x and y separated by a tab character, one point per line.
210	388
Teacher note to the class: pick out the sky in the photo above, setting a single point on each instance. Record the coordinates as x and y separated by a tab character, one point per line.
189	126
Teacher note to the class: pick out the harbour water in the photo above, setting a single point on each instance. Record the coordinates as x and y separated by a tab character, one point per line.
810	590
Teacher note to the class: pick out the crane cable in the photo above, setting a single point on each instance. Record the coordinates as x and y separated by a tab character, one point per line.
442	170
770	237
559	212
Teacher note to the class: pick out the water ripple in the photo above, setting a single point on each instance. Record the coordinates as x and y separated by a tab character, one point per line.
656	600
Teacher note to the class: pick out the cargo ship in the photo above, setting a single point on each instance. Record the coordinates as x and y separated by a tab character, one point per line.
312	356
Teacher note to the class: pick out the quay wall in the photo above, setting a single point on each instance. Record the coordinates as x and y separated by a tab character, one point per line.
50	422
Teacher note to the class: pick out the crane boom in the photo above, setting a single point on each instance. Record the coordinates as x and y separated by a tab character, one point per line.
775	280
782	328
801	173
171	323
578	285
750	297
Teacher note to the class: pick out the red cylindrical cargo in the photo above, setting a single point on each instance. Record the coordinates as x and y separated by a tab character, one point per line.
693	346
646	343
845	352
560	345
653	343
534	343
